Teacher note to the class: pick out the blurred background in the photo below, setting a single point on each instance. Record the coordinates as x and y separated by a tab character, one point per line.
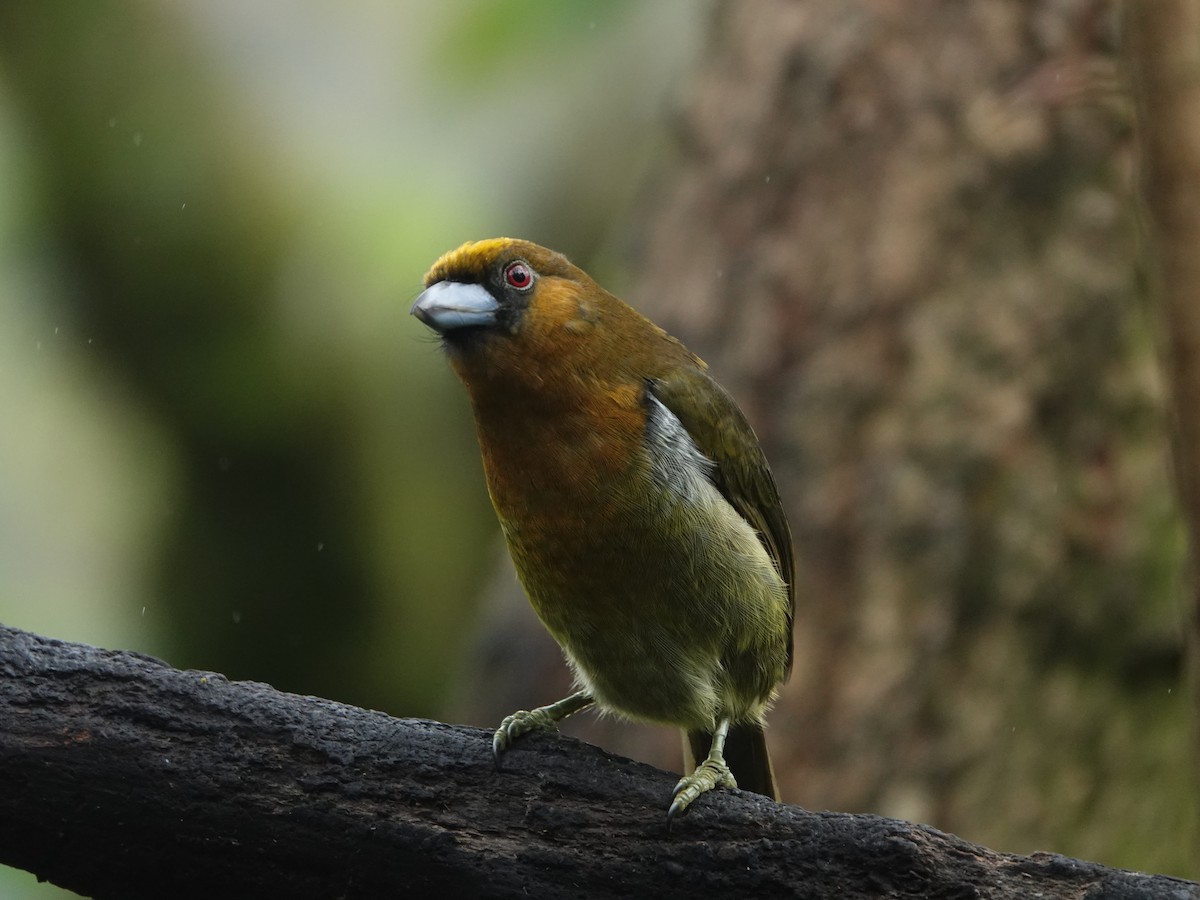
902	237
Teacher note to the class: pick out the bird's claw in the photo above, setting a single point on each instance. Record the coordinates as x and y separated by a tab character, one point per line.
519	723
712	773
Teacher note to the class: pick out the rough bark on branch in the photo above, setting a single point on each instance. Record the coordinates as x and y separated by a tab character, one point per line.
123	777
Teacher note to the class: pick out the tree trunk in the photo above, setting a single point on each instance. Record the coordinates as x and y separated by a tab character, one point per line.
901	235
1165	59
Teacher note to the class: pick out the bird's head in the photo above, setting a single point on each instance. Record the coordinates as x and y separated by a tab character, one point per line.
500	287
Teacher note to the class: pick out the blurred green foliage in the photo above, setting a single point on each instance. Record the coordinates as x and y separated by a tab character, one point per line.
225	442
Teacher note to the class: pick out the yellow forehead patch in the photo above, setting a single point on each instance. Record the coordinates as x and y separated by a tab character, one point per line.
474	259
471	261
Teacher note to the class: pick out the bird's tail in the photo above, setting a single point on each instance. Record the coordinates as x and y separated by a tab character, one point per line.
745	754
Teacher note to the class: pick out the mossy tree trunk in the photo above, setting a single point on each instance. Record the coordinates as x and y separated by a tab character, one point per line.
1164	57
903	236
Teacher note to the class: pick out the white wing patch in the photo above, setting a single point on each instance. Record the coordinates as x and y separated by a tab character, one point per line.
676	460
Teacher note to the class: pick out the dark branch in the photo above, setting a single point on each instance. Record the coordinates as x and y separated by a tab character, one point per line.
122	777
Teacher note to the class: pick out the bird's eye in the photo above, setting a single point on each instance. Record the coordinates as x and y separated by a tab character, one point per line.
518	275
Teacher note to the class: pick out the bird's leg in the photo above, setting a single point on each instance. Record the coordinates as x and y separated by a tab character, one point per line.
544	718
711	773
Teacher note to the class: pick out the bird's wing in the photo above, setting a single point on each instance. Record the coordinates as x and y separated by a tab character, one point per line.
721	432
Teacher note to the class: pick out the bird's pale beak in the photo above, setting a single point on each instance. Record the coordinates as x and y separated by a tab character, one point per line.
448	305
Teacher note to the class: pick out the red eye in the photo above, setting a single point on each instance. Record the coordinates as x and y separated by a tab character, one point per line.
519	275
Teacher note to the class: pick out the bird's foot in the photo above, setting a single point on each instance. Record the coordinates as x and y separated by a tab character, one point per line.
521	722
544	718
712	773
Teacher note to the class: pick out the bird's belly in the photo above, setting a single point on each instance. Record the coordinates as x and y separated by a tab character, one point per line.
677	616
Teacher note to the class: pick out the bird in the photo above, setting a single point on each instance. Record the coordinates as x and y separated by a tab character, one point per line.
642	518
